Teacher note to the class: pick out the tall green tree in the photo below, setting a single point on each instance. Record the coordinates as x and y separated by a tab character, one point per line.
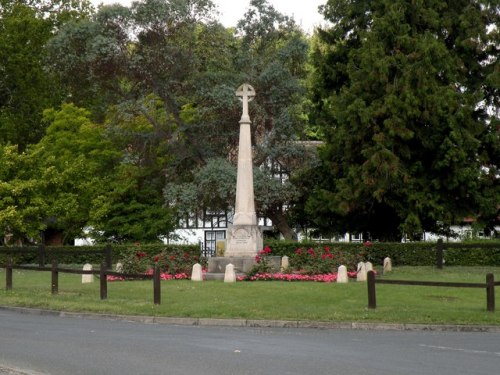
269	52
404	91
53	184
26	87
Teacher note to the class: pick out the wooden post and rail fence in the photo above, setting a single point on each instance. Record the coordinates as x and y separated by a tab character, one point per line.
103	274
489	285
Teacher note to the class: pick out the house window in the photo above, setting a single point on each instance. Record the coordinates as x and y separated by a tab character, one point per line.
211	237
215	219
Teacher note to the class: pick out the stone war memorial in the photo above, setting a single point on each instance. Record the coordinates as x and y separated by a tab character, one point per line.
244	237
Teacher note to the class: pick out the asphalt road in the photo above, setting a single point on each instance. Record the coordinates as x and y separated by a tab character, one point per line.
55	345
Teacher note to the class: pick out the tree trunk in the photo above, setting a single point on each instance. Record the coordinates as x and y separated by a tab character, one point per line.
281	223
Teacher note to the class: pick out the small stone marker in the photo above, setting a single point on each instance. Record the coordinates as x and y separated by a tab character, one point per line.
119	267
285	263
361	276
87	278
197	275
368	266
230	275
387	265
342	275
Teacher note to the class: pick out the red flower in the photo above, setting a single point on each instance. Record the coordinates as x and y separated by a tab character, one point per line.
367	244
156	258
327	249
267	250
171	257
298	251
323	256
140	254
186	256
311	252
257	259
330	256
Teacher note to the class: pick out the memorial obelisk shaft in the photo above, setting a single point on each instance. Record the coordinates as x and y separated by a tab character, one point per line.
244	238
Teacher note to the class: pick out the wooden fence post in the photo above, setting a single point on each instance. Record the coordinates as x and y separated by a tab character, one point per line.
41	255
372	297
156	285
439	253
108	254
55	277
8	273
490	292
104	281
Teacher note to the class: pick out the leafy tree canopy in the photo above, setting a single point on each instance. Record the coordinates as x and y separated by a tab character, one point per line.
403	91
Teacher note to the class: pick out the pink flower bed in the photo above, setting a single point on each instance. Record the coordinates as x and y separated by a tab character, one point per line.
324	278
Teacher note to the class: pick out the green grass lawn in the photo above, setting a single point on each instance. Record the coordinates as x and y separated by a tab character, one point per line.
269	300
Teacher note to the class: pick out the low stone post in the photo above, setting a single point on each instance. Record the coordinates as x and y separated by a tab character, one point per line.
196	274
285	263
119	267
368	266
387	265
342	275
230	275
87	278
361	275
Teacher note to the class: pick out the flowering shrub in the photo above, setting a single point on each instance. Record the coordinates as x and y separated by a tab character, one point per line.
263	264
176	262
136	263
322	260
173	262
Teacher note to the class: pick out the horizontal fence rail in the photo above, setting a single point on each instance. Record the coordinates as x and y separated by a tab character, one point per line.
489	285
102	273
42	254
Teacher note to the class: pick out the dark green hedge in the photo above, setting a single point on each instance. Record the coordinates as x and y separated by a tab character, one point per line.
407	254
89	254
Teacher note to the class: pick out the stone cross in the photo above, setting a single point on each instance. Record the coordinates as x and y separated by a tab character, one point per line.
245	93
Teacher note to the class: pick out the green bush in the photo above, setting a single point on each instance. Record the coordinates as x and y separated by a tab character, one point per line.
402	254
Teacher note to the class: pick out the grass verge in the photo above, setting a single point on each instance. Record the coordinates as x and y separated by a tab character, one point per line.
270	300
